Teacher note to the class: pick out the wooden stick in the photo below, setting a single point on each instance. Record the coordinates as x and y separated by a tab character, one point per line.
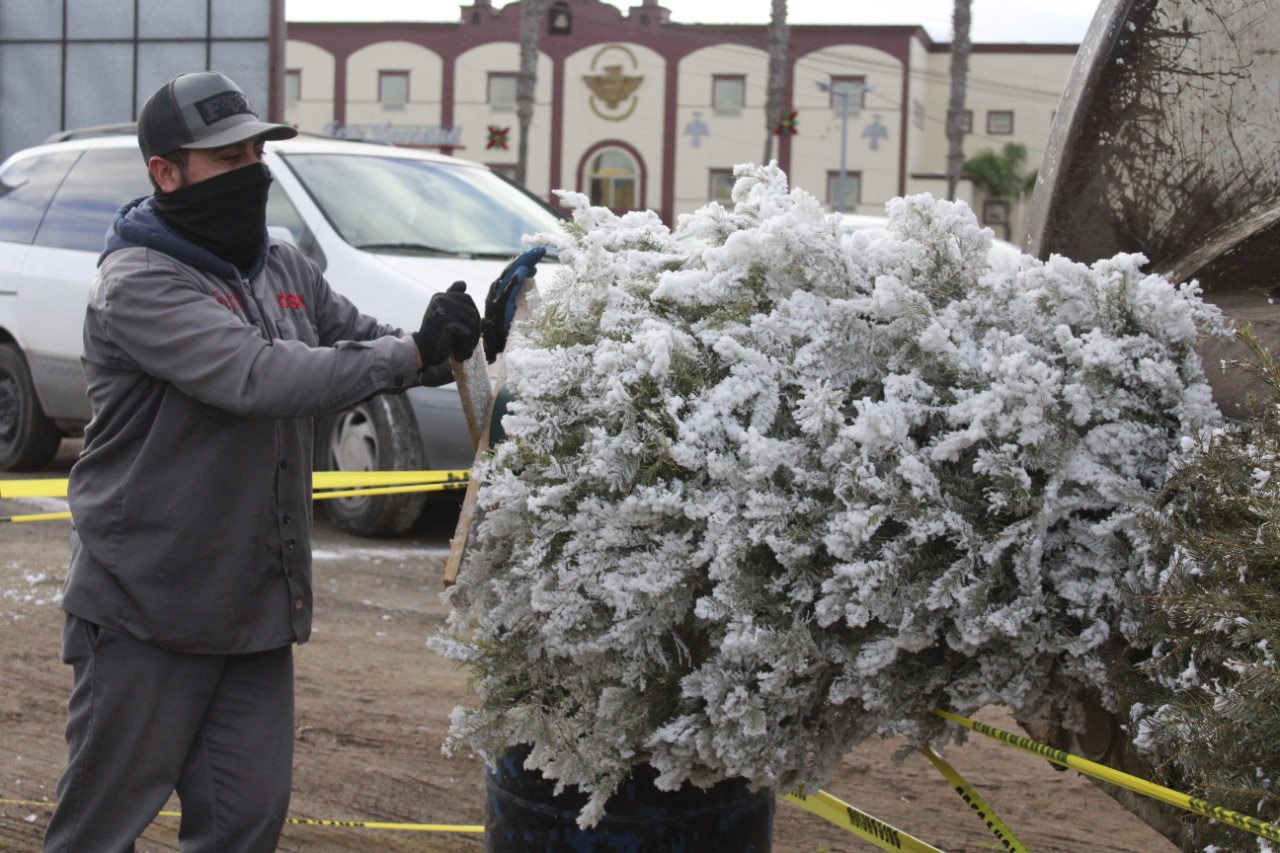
472	377
467	515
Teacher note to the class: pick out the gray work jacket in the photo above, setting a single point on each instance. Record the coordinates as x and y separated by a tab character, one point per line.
192	498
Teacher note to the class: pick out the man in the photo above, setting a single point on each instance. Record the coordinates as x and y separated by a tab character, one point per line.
208	349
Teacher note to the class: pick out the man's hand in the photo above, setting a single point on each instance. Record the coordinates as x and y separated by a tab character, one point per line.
500	305
450	326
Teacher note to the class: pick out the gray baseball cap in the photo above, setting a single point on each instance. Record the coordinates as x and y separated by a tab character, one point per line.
200	110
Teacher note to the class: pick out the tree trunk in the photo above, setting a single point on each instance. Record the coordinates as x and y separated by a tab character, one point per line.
530	27
955	106
777	85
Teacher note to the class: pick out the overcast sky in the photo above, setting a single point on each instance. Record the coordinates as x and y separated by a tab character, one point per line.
1055	21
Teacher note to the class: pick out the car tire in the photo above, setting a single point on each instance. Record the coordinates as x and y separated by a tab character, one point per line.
379	434
28	439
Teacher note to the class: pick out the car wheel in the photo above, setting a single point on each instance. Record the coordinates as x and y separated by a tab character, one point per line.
28	439
379	434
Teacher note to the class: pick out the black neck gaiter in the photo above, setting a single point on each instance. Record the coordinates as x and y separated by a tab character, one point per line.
226	214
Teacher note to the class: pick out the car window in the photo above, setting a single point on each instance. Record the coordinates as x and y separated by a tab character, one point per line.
25	189
100	183
391	204
282	212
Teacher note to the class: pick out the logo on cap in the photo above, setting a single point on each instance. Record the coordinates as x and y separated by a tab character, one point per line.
223	105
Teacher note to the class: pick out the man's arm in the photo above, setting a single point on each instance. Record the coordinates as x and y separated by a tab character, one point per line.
161	316
338	319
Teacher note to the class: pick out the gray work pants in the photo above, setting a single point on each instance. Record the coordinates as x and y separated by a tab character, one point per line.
143	722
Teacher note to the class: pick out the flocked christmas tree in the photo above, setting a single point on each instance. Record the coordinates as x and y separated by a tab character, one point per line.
769	489
1210	716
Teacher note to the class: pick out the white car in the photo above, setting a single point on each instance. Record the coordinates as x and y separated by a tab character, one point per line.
388	226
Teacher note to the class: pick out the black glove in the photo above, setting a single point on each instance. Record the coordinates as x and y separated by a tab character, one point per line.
500	304
450	326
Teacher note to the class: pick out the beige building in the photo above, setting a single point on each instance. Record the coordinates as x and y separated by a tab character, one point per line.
639	112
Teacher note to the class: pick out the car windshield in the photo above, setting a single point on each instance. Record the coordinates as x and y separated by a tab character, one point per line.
389	204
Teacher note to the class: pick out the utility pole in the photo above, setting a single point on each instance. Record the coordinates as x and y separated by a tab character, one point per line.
776	92
530	27
960	48
844	91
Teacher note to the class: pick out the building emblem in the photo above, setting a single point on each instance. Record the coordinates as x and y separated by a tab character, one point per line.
498	137
614	88
875	131
788	125
697	128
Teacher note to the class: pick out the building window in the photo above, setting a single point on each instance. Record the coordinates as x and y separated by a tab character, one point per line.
1000	122
507	170
502	91
612	180
728	93
721	186
917	114
852	191
292	88
393	89
846	87
995	212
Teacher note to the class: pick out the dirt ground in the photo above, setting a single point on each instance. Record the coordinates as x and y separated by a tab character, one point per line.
373	705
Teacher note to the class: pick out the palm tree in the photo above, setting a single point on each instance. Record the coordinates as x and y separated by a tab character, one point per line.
955	106
777	86
1001	177
530	26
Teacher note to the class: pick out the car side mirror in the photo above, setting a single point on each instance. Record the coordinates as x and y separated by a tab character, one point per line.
281	233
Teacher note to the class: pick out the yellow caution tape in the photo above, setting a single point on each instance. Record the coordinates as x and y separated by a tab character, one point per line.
326	484
1007	839
1132	783
390	490
54	488
33	488
859	823
319	496
40	516
370	824
302	821
352	479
